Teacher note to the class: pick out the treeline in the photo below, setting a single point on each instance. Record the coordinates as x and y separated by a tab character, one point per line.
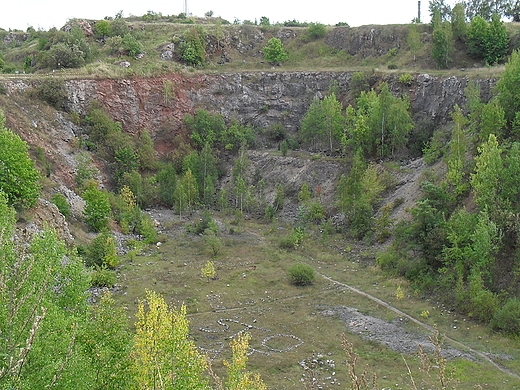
485	37
463	238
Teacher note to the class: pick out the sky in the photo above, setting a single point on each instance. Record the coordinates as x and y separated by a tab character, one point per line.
45	14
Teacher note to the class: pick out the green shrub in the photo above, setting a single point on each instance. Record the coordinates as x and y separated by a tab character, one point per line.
61	203
269	213
406	79
316	212
53	92
301	274
507	318
286	243
315	31
275	132
284	148
102	251
275	52
132	45
103	277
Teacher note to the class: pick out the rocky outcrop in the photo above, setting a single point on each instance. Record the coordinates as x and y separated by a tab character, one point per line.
256	98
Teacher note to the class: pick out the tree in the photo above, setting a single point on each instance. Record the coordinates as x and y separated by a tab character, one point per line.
458	22
513	10
97	208
509	93
442	44
492	121
106	343
487	41
163	356
274	52
440	7
486	180
414	40
103	29
42	299
497	43
205	127
333	120
457	157
193	50
18	176
486	8
167	179
238	376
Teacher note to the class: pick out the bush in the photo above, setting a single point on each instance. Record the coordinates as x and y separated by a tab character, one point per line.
284	148
315	31
507	318
102	251
53	92
406	79
301	274
275	52
61	203
103	277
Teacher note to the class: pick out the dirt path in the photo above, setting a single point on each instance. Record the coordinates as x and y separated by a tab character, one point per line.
421	324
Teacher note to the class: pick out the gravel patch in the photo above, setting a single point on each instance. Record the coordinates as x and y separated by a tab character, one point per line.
393	335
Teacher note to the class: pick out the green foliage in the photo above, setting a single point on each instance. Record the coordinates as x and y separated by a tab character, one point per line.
284	148
97	208
41	295
489	170
238	376
275	52
61	203
458	22
132	45
205	222
147	155
103	277
101	128
507	318
193	50
18	176
105	341
322	125
358	84
52	91
315	31
509	93
487	41
213	243
414	41
275	132
102	251
406	79
167	180
85	171
103	28
457	157
442	44
301	274
162	348
205	127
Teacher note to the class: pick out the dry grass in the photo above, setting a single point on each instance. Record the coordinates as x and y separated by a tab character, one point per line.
252	292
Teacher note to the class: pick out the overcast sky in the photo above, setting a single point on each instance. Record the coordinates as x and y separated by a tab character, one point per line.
44	14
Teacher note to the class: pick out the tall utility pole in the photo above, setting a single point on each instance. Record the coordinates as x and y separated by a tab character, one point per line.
186	7
419	11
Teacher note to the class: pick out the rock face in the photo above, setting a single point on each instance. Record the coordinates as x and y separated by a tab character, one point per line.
257	98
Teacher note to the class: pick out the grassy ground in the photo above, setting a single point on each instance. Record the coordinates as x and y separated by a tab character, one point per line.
291	324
